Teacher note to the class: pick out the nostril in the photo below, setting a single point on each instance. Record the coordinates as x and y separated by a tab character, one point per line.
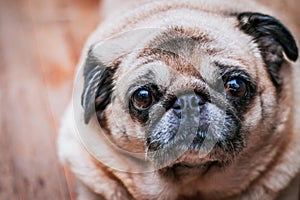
177	104
200	100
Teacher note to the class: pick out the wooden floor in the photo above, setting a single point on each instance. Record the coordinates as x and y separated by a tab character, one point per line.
40	42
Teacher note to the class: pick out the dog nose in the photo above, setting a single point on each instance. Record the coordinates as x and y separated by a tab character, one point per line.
188	102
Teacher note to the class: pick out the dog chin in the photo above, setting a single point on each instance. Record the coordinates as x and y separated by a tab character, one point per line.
194	158
193	162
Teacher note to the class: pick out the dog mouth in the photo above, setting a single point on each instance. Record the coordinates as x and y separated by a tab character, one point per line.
188	151
194	157
196	145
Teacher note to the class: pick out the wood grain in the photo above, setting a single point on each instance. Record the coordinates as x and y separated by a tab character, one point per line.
39	49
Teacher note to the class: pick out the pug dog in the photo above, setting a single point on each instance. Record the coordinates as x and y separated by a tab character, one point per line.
185	100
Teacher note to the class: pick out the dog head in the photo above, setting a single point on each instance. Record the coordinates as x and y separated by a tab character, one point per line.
192	95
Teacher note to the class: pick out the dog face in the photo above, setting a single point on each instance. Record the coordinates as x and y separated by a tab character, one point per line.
191	96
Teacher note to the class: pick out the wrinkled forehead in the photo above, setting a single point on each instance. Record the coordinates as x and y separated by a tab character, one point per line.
186	52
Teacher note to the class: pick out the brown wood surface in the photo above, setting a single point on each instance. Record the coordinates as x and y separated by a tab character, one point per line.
40	43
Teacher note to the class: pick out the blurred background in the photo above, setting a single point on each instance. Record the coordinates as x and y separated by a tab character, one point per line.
40	44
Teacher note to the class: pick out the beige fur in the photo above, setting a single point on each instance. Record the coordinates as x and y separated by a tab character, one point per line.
264	169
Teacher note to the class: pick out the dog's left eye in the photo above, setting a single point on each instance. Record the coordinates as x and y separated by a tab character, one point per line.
236	88
142	99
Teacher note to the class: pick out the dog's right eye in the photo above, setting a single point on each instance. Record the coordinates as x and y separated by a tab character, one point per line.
236	88
142	99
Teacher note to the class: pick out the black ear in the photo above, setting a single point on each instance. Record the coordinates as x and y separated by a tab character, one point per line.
98	85
273	38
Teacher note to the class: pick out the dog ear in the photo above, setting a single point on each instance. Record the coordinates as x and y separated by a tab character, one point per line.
100	66
273	38
98	85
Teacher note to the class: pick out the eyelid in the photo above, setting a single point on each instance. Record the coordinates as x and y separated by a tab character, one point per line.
132	90
136	88
242	78
154	89
227	76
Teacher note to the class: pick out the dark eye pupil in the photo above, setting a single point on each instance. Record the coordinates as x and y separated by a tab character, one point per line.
236	88
142	99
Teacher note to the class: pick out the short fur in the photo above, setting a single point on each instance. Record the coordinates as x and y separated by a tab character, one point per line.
198	46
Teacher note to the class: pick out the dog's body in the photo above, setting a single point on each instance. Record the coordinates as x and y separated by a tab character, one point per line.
257	148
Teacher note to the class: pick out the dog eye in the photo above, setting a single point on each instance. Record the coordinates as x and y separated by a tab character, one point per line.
142	99
236	88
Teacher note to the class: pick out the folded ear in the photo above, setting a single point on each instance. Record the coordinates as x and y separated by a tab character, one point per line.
273	38
98	85
100	66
